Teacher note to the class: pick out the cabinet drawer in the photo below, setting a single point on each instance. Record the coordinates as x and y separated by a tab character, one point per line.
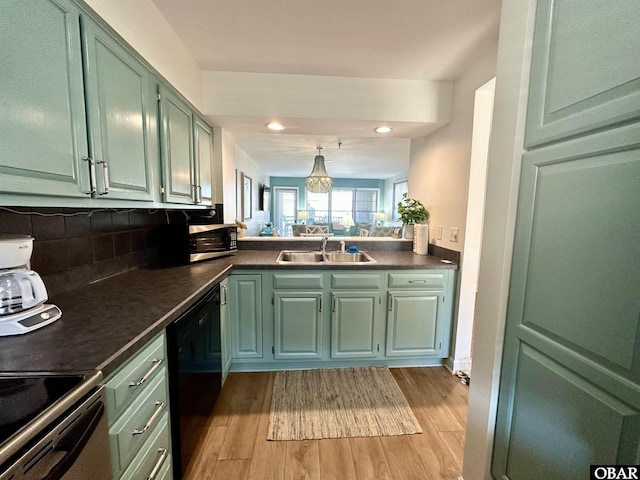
125	385
417	280
356	280
297	281
156	453
138	422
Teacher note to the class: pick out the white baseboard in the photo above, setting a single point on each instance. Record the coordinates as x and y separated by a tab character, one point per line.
462	364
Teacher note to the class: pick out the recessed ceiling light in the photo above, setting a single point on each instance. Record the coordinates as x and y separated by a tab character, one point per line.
382	129
275	126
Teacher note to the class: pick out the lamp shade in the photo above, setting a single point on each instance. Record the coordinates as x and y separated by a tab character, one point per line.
379	216
319	180
303	215
347	221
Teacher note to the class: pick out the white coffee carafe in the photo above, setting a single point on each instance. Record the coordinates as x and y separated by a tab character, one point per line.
22	291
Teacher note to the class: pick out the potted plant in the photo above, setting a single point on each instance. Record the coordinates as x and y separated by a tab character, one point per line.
410	212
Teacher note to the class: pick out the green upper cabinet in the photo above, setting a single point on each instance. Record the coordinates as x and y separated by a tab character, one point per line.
187	152
178	158
203	145
42	125
585	69
120	101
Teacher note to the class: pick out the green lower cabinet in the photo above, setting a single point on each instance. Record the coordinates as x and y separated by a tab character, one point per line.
245	310
225	328
356	327
412	323
137	411
298	320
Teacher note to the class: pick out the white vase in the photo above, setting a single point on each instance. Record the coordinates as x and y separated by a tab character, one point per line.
408	231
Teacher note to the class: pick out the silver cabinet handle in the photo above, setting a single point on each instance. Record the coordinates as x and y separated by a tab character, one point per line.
417	281
152	419
224	289
320	307
164	453
92	175
105	176
156	362
198	193
334	303
390	301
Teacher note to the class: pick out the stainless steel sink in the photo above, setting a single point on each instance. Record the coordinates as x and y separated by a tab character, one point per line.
346	257
301	257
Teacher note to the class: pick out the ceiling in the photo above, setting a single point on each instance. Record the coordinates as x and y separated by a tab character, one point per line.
382	39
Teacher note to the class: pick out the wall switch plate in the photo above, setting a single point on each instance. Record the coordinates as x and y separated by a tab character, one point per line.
438	232
453	235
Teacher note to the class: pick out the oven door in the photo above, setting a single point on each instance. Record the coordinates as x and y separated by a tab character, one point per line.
74	447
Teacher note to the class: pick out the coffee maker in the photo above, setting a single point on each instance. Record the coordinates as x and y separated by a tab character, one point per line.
22	291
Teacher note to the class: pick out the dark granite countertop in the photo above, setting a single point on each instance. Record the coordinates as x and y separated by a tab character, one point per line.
104	323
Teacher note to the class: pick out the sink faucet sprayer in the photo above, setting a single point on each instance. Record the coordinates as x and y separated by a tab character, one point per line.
342	246
323	244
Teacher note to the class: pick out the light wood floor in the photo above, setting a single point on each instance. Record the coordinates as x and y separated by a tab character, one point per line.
230	443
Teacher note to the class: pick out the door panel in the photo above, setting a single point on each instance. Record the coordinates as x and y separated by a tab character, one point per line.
42	126
178	157
571	365
584	76
204	160
298	325
119	102
412	324
354	325
245	296
550	431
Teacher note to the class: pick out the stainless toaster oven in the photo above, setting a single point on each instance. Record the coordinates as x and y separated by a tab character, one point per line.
211	241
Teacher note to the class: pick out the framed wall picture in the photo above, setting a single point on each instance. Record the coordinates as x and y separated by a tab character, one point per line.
246	196
265	198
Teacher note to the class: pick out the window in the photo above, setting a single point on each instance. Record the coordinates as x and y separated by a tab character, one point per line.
398	189
360	203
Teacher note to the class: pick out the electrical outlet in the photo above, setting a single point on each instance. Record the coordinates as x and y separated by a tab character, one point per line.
438	232
453	235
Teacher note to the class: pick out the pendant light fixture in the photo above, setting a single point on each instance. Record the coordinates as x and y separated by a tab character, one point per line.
319	180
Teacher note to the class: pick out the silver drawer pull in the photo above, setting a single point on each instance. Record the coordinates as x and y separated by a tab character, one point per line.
164	453
156	364
152	419
417	281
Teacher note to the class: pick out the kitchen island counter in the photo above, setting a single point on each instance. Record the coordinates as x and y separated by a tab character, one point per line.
106	322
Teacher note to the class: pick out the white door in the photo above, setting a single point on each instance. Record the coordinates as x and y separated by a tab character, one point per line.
286	209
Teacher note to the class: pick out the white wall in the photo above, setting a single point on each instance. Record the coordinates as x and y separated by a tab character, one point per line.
245	164
505	152
439	163
142	25
229	176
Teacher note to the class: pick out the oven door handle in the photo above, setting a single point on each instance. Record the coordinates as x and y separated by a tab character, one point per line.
75	439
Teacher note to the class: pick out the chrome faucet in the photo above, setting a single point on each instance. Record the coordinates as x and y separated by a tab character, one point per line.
342	246
323	244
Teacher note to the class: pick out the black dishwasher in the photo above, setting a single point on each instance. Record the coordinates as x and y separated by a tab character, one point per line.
195	374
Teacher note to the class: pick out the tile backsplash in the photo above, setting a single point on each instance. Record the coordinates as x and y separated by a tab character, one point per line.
74	247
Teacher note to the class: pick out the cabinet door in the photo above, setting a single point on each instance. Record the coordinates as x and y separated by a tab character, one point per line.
203	143
225	328
245	296
412	324
177	151
120	100
355	325
298	325
585	73
42	125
